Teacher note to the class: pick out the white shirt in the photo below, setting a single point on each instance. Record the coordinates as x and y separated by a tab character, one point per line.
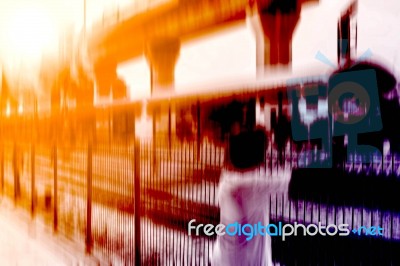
243	198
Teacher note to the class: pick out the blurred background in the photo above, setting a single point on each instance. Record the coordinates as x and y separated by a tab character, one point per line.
41	34
114	117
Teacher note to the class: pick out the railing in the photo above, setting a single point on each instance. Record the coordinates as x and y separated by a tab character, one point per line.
86	192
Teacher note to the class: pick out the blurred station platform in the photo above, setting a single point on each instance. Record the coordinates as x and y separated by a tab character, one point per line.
24	241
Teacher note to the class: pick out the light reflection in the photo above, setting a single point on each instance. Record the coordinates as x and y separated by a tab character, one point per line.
8	109
20	108
29	32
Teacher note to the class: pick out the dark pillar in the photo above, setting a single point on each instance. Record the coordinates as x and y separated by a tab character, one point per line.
344	39
278	19
106	74
162	55
274	22
55	190
89	239
137	203
107	80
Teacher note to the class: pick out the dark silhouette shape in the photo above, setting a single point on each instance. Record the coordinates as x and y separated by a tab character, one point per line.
335	250
283	130
338	187
389	108
17	164
226	115
247	149
281	6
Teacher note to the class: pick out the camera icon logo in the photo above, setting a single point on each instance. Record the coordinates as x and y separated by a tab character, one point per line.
344	104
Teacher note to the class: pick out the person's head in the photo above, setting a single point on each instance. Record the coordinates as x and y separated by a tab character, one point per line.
247	142
246	148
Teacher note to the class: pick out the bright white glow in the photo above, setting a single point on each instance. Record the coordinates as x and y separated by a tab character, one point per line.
136	74
307	116
144	126
8	109
322	108
227	55
30	31
20	109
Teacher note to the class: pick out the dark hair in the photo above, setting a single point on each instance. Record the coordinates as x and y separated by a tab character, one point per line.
247	149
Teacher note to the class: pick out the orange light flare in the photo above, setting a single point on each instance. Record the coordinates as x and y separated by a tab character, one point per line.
28	31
